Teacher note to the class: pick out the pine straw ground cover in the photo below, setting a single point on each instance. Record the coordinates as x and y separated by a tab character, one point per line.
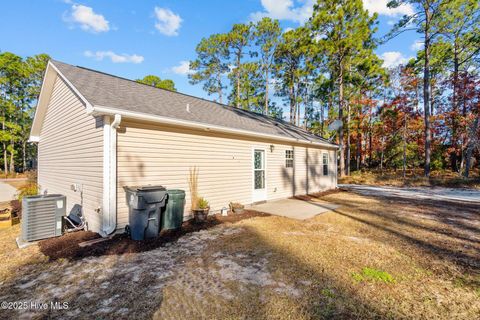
370	258
414	178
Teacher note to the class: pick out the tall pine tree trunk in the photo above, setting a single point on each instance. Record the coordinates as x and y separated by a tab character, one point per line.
347	164
340	117
12	160
266	92
238	80
405	145
219	91
5	161
292	106
305	109
382	154
24	155
322	119
453	154
359	146
463	151
426	92
299	107
471	145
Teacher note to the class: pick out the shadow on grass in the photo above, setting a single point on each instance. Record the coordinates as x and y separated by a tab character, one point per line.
447	247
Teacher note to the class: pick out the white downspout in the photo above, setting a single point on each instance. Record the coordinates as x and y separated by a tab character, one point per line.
109	212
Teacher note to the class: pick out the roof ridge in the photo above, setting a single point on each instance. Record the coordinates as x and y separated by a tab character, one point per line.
170	91
272	120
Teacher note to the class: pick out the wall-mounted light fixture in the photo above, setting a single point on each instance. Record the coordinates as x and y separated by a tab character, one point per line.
272	147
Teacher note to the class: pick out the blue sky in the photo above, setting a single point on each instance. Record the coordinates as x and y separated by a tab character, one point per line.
135	38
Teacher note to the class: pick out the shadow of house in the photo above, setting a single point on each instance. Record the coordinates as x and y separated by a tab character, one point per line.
312	179
447	249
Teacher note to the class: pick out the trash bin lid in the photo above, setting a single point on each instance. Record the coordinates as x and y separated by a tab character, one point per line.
145	188
175	191
151	188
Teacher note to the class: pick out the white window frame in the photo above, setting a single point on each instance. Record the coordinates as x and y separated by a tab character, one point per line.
287	159
325	164
259	195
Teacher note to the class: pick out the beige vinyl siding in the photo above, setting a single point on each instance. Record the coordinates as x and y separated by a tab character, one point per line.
155	154
71	151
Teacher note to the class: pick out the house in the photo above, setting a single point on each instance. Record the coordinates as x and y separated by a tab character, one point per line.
97	133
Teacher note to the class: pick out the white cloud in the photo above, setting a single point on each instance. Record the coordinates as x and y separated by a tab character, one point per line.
168	22
88	19
115	58
285	10
380	7
391	59
183	68
417	45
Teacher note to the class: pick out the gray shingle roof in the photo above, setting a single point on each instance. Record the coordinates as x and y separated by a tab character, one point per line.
115	92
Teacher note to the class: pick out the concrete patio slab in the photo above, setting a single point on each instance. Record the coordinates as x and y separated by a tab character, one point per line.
295	209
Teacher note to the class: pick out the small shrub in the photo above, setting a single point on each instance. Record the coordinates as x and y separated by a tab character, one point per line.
328	293
31	175
236	205
30	189
357	277
202	203
379	275
373	274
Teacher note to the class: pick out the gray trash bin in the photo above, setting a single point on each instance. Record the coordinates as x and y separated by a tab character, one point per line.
145	205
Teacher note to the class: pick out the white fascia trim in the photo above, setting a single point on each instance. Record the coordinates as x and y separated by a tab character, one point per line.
87	104
109	208
101	110
42	104
35	129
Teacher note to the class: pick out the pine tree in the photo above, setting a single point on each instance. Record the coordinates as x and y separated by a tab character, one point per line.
344	29
267	36
211	64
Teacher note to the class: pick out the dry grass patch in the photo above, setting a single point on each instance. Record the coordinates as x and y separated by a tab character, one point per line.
18	184
11	258
413	178
372	258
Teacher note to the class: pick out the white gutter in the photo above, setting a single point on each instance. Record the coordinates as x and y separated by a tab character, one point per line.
33	139
97	110
116	121
109	208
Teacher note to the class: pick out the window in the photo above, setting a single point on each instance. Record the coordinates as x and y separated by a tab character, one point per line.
325	163
289	158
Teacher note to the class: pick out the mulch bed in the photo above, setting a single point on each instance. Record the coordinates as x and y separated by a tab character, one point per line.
67	246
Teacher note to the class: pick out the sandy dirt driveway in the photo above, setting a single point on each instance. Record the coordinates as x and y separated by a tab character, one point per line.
435	193
7	192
